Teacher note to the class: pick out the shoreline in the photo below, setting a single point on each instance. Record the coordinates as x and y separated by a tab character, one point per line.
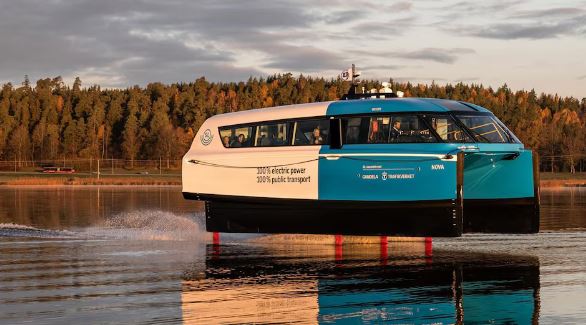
174	181
87	180
562	183
105	186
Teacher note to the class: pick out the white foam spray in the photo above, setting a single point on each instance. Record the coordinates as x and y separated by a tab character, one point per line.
135	225
150	225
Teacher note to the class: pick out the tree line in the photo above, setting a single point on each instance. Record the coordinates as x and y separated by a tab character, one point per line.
50	120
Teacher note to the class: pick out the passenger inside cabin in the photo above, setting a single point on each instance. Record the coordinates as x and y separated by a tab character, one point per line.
226	141
316	137
396	130
377	132
266	141
239	142
279	141
242	140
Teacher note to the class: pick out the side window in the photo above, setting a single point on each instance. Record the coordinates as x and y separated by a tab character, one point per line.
378	131
386	129
352	127
409	129
271	135
236	137
226	135
311	132
447	129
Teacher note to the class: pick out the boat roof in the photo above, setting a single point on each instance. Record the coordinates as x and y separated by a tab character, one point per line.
345	107
399	105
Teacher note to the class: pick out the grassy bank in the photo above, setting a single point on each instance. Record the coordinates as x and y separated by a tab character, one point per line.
547	179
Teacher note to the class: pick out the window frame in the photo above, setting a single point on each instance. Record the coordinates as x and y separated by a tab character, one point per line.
291	124
499	127
252	131
258	125
294	126
456	121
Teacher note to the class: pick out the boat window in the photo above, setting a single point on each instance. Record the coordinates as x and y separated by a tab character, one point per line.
311	132
386	129
236	137
485	129
447	129
354	128
271	135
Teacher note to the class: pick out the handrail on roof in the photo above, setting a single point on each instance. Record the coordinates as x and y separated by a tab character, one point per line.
350	95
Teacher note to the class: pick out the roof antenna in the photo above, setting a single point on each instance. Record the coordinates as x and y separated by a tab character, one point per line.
352	76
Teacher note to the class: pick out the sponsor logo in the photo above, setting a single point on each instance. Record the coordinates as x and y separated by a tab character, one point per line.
385	175
207	137
437	167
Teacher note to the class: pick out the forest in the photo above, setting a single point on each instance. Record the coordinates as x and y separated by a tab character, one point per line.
50	120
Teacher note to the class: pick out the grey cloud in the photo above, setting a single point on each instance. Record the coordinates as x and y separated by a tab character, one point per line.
345	16
386	29
526	30
382	67
483	7
401	6
435	54
305	59
122	43
514	23
212	71
548	13
424	79
455	11
141	41
439	55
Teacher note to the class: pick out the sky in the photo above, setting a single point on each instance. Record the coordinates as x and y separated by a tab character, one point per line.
526	44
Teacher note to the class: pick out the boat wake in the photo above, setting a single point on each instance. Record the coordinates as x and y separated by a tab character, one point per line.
136	225
150	225
16	230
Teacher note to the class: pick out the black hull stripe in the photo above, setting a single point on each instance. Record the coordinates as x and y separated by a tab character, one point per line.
405	218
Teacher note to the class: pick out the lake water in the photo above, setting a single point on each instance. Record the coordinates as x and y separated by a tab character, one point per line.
140	255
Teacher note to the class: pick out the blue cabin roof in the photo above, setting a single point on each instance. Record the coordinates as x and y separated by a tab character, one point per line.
395	105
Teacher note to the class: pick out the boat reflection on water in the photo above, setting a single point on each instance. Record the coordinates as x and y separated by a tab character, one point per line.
401	282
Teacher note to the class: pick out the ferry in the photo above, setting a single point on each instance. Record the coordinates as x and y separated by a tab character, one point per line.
371	164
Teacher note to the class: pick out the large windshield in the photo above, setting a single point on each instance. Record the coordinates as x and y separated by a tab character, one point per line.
486	129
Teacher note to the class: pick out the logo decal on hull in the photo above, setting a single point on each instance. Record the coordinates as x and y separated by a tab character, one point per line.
207	137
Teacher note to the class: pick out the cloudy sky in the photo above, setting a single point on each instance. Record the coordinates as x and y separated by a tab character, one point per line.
118	43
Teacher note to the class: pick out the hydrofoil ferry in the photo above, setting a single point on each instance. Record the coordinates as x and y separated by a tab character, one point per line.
373	165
